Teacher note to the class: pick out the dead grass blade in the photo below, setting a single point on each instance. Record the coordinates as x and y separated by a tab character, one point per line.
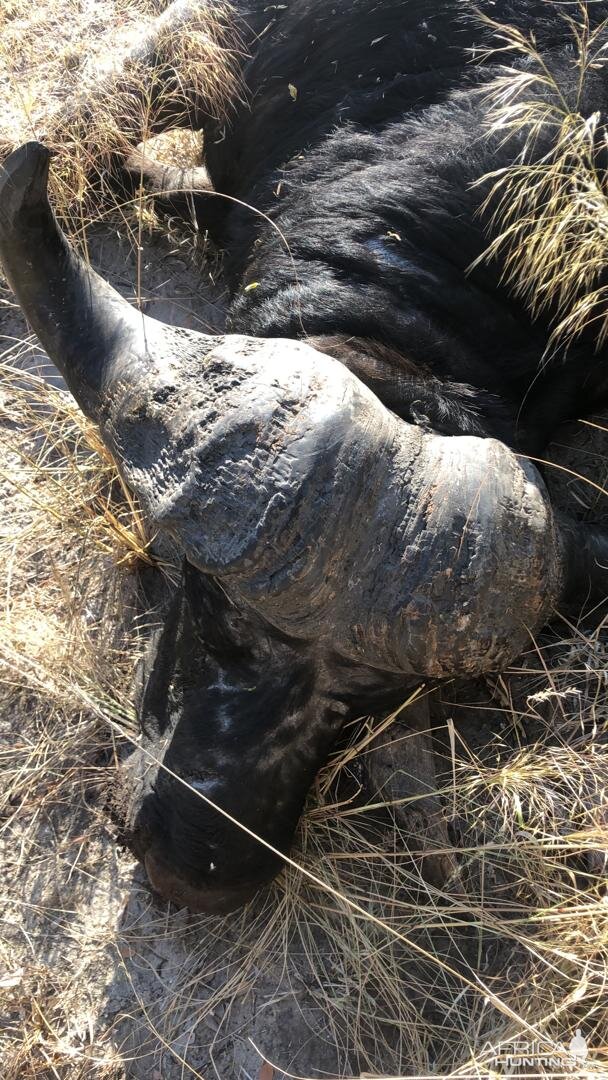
547	212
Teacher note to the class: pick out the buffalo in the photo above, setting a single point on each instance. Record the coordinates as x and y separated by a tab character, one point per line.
347	470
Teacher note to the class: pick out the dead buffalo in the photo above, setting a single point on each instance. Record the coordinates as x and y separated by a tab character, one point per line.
343	469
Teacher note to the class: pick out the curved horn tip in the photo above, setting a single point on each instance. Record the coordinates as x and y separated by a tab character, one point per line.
24	179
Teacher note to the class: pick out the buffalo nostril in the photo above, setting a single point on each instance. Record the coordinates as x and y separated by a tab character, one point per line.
165	880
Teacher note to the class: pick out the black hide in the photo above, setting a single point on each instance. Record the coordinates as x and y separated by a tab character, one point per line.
368	175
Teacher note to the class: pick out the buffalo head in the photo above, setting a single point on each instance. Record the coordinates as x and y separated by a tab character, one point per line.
332	553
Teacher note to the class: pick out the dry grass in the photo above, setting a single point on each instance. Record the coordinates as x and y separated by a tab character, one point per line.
389	975
69	465
67	538
549	211
115	70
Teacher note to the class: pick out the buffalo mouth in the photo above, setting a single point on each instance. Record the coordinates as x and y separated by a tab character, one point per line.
166	880
232	716
208	874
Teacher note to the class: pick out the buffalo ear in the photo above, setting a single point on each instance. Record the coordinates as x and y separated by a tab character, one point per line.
407	389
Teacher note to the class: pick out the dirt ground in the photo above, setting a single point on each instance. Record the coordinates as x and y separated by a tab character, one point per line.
97	977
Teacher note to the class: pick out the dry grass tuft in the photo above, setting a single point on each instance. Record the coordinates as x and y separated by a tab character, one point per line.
523	928
109	87
77	480
549	210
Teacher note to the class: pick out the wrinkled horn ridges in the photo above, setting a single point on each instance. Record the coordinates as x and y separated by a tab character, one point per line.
282	474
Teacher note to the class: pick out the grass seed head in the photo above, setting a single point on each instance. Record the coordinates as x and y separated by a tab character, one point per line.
547	212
